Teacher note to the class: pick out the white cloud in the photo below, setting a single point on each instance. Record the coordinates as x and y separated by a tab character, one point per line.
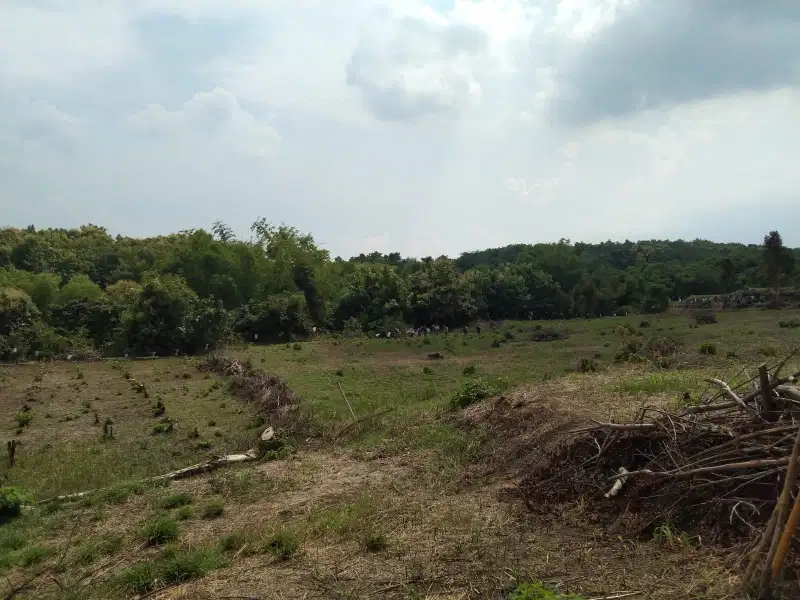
216	114
445	126
52	42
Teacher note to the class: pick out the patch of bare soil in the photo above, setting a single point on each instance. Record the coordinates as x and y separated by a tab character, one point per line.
440	546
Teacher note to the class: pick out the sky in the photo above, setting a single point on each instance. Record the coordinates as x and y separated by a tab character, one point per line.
424	128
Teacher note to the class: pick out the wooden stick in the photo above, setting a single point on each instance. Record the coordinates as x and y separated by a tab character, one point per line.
786	539
766	392
783	508
676	474
346	400
731	394
756	554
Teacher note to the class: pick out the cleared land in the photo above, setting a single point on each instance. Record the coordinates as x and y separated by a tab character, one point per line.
411	499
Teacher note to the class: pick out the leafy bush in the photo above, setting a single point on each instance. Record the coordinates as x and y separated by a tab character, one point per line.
11	501
474	391
790	324
468	370
588	365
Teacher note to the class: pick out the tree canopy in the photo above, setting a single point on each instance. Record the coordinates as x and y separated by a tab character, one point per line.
73	290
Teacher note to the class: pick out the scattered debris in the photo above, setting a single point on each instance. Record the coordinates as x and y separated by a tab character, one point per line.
716	468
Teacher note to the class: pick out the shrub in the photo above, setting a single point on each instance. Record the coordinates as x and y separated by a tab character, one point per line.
427	370
23	418
535	590
588	365
159	531
708	349
705	318
282	544
468	370
213	510
790	324
376	542
473	391
644	324
11	501
176	500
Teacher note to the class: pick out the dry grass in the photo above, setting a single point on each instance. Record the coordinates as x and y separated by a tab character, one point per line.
431	484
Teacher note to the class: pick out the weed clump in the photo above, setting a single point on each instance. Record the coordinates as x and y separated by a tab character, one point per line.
159	531
474	391
376	542
705	317
789	324
213	510
175	500
535	590
283	544
708	349
588	365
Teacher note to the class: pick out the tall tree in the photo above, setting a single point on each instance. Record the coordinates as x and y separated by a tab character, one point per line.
778	261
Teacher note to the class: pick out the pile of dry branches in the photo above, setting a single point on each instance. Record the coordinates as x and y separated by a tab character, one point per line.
724	467
268	392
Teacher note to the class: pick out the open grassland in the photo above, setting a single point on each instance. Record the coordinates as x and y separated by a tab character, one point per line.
377	494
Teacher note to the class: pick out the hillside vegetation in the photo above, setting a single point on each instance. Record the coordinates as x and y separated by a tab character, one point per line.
83	292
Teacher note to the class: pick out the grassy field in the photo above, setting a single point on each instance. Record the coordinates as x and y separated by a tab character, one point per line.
372	497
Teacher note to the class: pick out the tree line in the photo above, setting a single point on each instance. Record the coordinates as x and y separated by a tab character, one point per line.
83	291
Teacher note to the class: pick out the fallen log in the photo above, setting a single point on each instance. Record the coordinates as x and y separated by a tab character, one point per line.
190	471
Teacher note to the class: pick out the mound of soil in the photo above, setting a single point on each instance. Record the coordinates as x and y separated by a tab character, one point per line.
521	429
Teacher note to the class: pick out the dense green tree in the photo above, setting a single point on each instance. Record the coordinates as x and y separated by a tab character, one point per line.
82	290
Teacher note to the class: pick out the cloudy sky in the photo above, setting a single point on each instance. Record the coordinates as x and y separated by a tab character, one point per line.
404	125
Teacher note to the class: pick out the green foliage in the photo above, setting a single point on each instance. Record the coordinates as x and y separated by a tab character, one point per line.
708	349
473	391
175	500
159	530
212	510
536	590
173	566
84	292
11	501
283	544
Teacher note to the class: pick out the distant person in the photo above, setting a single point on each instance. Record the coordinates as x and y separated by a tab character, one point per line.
478	328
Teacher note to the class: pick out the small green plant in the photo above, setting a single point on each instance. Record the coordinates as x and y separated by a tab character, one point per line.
23	418
427	370
535	590
239	542
212	510
11	501
789	324
283	544
175	500
159	531
474	391
468	370
768	351
376	542
708	349
184	513
588	365
644	324
297	347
